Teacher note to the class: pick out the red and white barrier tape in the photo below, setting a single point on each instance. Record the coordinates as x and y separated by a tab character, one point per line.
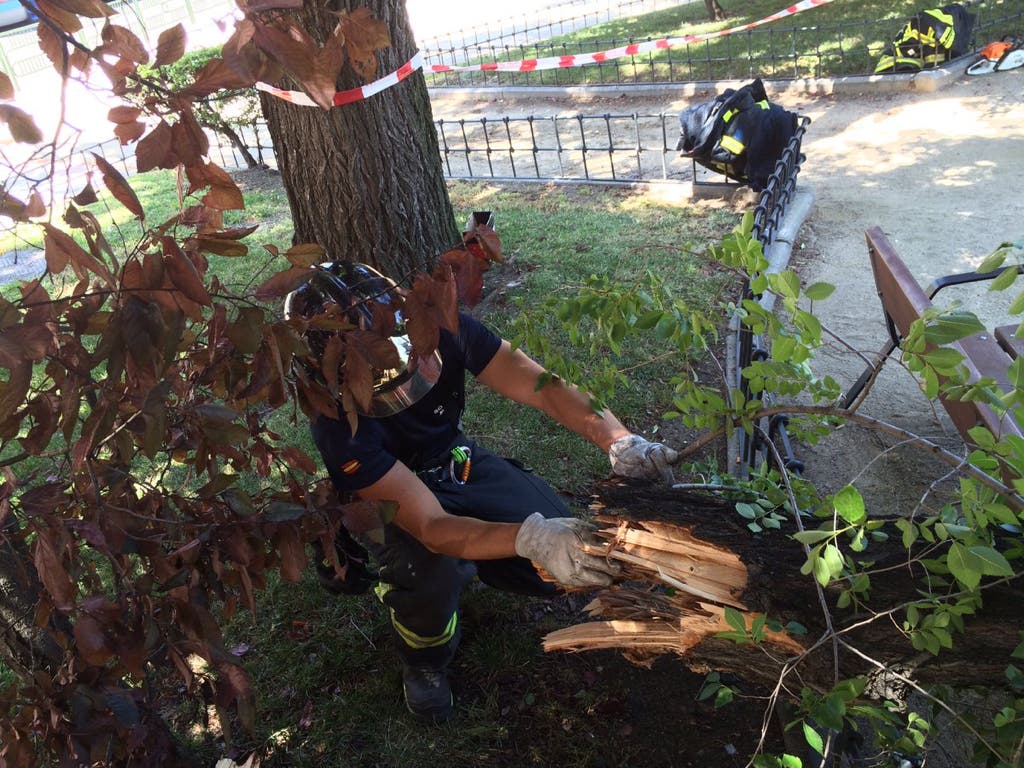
531	65
556	62
352	94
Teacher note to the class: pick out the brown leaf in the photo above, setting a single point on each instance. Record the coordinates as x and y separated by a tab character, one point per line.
305	254
469	274
282	284
6	87
51	571
364	35
14	390
219	246
170	46
298	459
81	61
122	42
124	114
156	150
66	20
216	75
93	9
224	194
126	133
190	142
183	274
20	211
53	46
330	362
87	196
484	242
90	641
61	250
246	333
118	187
358	377
24	343
431	305
296	52
22	126
35	206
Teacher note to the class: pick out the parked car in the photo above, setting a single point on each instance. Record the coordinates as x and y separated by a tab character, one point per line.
13	15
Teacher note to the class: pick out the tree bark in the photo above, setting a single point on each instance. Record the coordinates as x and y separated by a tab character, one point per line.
715	10
777	588
365	180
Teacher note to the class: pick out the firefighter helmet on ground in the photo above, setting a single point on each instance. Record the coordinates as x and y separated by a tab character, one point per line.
368	300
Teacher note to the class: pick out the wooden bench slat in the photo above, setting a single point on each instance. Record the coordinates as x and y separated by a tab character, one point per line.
1005	335
903	301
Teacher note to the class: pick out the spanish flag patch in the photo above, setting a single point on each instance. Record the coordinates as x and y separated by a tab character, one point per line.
350	467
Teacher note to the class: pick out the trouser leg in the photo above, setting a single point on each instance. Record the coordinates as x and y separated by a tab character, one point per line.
421	591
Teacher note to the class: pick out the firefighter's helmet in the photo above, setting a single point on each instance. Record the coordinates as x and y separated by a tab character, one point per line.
367	300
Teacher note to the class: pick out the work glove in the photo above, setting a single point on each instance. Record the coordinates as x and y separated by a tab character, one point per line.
632	456
556	545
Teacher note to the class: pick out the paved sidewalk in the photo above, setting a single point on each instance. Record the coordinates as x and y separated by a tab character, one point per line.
21	265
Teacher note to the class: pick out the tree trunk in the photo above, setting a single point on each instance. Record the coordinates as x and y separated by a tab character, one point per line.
715	10
777	588
24	647
365	180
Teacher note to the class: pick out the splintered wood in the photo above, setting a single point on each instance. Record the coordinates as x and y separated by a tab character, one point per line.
674	592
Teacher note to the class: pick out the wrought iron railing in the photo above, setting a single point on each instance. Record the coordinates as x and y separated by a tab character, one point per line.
746	347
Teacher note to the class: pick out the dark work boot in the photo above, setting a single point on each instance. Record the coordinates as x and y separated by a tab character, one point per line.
427	694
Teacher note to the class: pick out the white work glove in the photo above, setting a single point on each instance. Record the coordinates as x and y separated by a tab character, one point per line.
632	456
556	545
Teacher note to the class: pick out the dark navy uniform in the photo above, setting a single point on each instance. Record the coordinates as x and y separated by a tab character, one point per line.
421	588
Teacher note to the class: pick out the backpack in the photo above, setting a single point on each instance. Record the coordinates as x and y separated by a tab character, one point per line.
738	133
928	39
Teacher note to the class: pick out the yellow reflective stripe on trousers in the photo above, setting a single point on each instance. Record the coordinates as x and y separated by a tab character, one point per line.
408	636
419	641
731	144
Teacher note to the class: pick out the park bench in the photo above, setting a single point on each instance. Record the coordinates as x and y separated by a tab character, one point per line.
985	354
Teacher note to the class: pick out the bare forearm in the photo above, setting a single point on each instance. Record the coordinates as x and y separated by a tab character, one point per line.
468	538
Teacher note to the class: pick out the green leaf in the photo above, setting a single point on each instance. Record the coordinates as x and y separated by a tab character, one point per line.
1016	373
953	326
1005	279
814	740
819	291
735	619
982	436
833	559
813	537
993	261
964	565
944	357
849	505
1017	306
746	510
822	573
992	562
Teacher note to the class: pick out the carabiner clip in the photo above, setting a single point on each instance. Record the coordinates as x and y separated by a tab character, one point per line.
462	455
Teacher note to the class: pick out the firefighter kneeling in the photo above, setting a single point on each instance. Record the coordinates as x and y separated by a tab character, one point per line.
461	508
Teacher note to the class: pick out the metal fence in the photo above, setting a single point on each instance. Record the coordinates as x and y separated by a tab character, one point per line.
624	148
771	52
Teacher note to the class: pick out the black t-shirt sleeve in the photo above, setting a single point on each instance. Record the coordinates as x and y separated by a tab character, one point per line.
477	344
352	461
